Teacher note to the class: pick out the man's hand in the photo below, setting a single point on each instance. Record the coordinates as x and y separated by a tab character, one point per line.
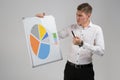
77	41
40	15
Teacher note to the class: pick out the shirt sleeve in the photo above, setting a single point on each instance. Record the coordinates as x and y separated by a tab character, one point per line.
98	47
63	33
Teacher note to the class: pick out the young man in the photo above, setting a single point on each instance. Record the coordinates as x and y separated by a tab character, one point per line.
86	40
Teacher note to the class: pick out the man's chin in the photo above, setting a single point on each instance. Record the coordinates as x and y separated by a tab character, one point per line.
79	24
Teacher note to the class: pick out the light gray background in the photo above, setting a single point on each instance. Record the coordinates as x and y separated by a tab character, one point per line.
14	58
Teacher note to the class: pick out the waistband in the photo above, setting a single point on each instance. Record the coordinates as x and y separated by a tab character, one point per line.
80	66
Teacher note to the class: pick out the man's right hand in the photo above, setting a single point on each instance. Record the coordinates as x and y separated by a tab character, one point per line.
40	15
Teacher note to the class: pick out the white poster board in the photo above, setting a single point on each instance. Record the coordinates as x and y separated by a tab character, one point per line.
42	40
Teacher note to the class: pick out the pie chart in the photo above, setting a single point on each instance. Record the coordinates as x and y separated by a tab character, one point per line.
39	40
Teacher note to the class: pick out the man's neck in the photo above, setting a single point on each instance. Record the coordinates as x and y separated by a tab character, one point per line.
85	24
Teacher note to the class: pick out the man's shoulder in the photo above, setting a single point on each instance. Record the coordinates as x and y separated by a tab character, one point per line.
95	26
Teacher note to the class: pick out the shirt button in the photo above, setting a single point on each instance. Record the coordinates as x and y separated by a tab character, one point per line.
81	34
77	53
83	47
77	61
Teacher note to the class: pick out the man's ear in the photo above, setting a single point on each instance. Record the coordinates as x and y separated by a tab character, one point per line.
89	14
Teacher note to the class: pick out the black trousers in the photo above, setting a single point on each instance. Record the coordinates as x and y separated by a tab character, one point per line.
73	73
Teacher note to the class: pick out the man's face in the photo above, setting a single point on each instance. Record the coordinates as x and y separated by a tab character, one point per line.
82	17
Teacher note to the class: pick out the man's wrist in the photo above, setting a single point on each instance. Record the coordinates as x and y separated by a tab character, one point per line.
81	44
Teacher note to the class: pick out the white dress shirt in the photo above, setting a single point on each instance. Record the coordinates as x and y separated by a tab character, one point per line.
93	42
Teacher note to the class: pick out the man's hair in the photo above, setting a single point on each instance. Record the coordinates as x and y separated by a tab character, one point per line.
85	7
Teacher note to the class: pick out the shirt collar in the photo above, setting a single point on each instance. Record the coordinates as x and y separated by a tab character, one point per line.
90	25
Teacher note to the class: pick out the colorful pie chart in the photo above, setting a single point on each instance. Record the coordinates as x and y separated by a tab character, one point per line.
39	40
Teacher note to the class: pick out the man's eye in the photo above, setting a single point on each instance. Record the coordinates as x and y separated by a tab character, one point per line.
79	15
